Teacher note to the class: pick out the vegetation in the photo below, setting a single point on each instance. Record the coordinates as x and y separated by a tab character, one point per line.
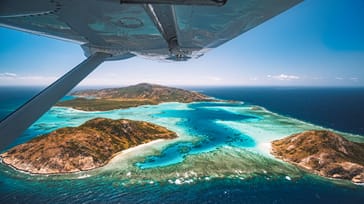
131	96
324	153
103	104
88	146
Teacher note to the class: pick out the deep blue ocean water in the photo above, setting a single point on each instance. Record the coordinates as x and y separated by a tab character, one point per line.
337	108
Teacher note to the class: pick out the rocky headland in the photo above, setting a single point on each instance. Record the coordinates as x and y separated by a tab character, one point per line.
131	96
86	147
324	153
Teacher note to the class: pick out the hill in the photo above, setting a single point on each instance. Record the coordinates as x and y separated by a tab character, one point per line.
324	153
86	147
131	96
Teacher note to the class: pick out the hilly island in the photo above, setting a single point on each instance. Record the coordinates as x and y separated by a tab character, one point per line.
95	142
131	96
323	153
86	147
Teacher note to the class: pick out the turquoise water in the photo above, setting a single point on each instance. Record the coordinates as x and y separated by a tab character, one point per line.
221	156
201	121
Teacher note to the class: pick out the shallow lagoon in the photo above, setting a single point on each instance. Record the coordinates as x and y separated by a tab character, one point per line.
217	141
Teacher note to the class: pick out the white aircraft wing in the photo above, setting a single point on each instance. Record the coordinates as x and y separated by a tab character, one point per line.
161	29
119	29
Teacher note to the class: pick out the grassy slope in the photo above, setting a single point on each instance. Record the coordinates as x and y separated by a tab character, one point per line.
88	146
131	96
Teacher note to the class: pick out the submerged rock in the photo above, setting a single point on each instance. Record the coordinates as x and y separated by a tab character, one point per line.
86	147
324	153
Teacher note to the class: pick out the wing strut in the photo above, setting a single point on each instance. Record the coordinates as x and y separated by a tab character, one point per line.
164	19
17	122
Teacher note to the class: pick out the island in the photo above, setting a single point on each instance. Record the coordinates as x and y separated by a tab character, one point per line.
323	153
131	96
89	146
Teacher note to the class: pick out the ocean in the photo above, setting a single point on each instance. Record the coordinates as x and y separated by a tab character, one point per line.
338	108
220	156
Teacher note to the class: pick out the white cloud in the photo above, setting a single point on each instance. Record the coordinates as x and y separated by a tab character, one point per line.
15	79
38	78
284	77
7	75
352	79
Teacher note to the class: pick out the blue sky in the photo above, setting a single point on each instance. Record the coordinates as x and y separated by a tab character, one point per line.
317	43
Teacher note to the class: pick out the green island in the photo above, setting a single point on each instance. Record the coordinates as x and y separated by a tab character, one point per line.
89	146
323	153
131	96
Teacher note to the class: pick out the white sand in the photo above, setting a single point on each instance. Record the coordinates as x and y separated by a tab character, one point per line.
137	151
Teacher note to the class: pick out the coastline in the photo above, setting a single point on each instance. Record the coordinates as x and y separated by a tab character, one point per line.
154	146
316	173
323	153
121	155
139	150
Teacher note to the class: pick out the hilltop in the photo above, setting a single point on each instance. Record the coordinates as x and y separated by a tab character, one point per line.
86	147
131	96
324	153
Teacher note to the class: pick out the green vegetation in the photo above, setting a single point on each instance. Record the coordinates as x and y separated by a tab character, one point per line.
86	147
324	153
103	104
131	96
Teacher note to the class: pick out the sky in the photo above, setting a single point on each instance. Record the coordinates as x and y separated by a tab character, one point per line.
316	43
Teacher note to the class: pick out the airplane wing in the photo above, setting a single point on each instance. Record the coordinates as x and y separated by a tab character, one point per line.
157	29
119	29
